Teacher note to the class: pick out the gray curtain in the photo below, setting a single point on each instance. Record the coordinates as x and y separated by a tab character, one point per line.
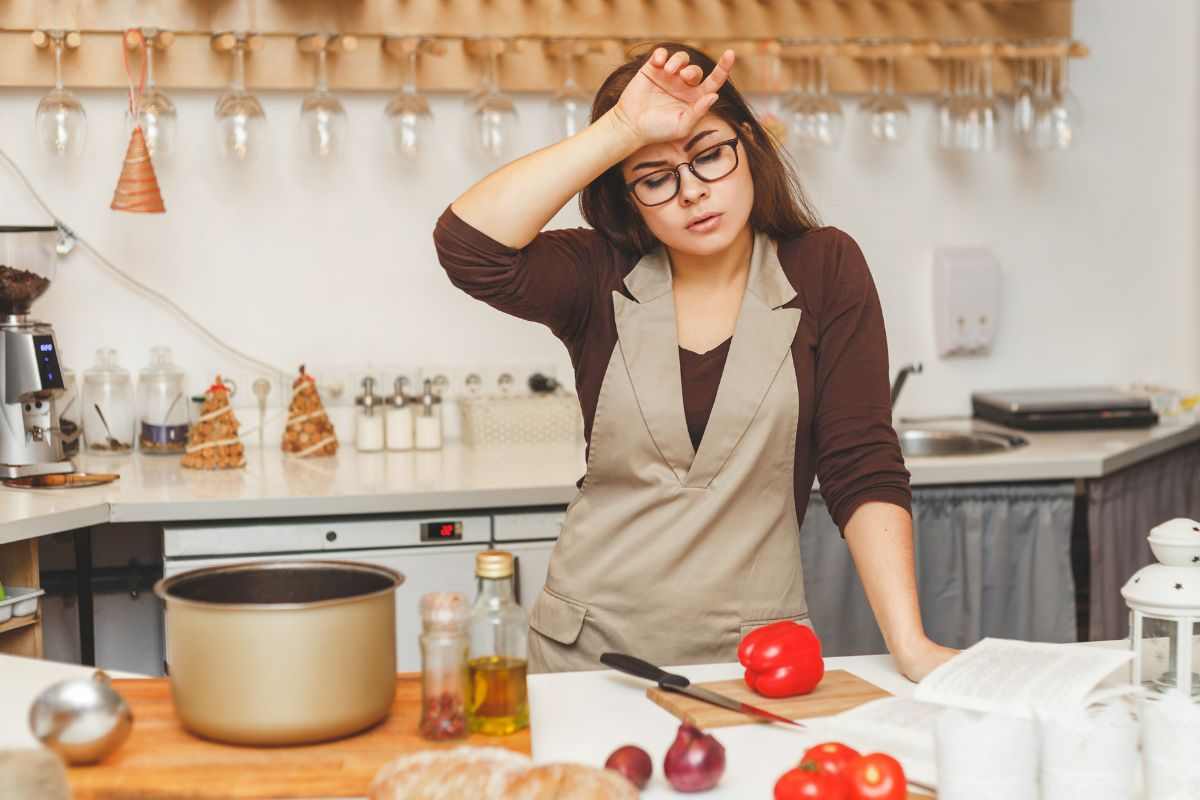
991	561
1122	508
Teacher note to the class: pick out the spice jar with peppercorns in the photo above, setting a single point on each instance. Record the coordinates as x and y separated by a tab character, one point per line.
444	679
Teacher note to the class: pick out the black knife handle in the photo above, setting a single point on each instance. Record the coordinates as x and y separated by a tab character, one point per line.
642	669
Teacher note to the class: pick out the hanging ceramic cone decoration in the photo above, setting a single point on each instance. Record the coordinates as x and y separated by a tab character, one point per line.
137	188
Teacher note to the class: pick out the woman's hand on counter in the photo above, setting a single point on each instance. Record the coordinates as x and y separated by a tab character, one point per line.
918	660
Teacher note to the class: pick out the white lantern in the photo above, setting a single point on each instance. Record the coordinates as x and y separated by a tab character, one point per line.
1164	604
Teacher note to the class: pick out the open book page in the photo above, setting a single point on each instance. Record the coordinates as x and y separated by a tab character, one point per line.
899	726
1014	677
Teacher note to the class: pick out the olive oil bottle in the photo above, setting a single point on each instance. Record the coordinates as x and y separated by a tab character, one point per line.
499	703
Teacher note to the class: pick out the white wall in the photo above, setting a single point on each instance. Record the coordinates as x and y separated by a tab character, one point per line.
337	269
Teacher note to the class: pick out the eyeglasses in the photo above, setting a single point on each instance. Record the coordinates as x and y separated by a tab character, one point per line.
710	164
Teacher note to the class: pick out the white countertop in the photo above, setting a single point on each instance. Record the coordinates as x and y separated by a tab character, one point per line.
584	716
157	489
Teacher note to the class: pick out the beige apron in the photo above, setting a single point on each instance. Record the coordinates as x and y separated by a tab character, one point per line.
671	554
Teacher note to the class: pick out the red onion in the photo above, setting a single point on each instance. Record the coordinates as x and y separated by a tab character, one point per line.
695	762
633	762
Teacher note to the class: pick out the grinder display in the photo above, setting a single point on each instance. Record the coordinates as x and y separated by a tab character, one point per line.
31	378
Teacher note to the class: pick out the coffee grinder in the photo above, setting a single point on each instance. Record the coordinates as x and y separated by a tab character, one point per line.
31	439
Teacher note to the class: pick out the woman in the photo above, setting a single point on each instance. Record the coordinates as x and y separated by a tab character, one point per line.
726	349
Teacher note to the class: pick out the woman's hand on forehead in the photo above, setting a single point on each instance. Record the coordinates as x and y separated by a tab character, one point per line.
669	95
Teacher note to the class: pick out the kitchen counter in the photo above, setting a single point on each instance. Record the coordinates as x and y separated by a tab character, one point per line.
157	489
578	717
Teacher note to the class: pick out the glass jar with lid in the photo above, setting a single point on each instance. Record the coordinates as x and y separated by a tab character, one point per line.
28	257
108	405
162	405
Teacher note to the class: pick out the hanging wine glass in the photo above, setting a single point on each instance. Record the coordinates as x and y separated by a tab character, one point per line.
60	121
323	122
155	112
799	105
241	121
889	113
493	115
570	106
409	120
828	121
1067	116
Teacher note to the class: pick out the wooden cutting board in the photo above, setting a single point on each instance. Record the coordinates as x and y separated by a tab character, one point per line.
838	691
161	760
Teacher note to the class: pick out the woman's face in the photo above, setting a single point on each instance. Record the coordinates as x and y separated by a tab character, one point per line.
705	216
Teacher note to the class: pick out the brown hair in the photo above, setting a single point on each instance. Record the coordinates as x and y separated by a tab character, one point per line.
780	208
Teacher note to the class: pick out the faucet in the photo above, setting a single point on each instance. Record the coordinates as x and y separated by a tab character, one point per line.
901	377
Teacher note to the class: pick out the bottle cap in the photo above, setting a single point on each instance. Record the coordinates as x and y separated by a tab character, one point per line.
494	564
444	610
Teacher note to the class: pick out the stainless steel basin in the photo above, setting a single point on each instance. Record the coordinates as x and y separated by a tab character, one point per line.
925	442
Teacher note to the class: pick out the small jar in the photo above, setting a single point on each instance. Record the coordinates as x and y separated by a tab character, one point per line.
162	405
399	415
369	424
108	405
444	678
429	420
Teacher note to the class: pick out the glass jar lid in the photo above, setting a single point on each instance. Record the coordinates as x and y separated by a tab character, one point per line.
106	369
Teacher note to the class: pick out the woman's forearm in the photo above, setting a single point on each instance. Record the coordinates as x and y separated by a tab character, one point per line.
516	201
881	541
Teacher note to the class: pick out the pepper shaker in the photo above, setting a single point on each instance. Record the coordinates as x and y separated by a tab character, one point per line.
429	420
399	418
369	425
444	677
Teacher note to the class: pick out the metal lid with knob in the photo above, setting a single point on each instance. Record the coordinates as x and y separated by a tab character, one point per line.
368	399
398	398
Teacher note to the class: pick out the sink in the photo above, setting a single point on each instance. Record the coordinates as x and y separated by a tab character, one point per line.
923	443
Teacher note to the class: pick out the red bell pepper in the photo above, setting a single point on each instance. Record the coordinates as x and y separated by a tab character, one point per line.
782	659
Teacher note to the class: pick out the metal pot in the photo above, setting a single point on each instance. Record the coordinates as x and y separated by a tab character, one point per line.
281	652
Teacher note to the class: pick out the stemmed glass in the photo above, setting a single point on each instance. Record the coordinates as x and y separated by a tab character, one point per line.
816	115
322	117
1023	98
60	121
241	121
570	105
889	112
409	120
828	121
155	112
493	114
1068	113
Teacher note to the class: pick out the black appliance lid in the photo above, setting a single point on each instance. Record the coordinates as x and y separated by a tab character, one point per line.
1094	398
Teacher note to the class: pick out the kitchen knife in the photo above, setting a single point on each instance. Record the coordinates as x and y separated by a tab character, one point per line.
678	683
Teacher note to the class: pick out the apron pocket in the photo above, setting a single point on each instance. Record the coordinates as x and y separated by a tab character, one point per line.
557	618
746	627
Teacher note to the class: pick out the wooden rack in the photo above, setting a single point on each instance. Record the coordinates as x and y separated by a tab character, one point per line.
528	33
21	636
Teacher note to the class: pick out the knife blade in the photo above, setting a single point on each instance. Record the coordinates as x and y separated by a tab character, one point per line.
671	682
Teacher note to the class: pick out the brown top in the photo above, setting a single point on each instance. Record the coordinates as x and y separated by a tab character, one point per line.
564	279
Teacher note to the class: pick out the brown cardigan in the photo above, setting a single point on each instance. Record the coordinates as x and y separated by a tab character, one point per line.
564	279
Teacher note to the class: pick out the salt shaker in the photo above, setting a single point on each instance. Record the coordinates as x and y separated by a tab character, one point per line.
399	418
429	420
444	678
369	425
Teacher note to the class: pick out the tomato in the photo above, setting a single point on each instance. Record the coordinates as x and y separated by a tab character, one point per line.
876	776
830	757
809	784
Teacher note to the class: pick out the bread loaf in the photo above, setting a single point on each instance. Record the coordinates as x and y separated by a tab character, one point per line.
492	773
569	782
464	772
